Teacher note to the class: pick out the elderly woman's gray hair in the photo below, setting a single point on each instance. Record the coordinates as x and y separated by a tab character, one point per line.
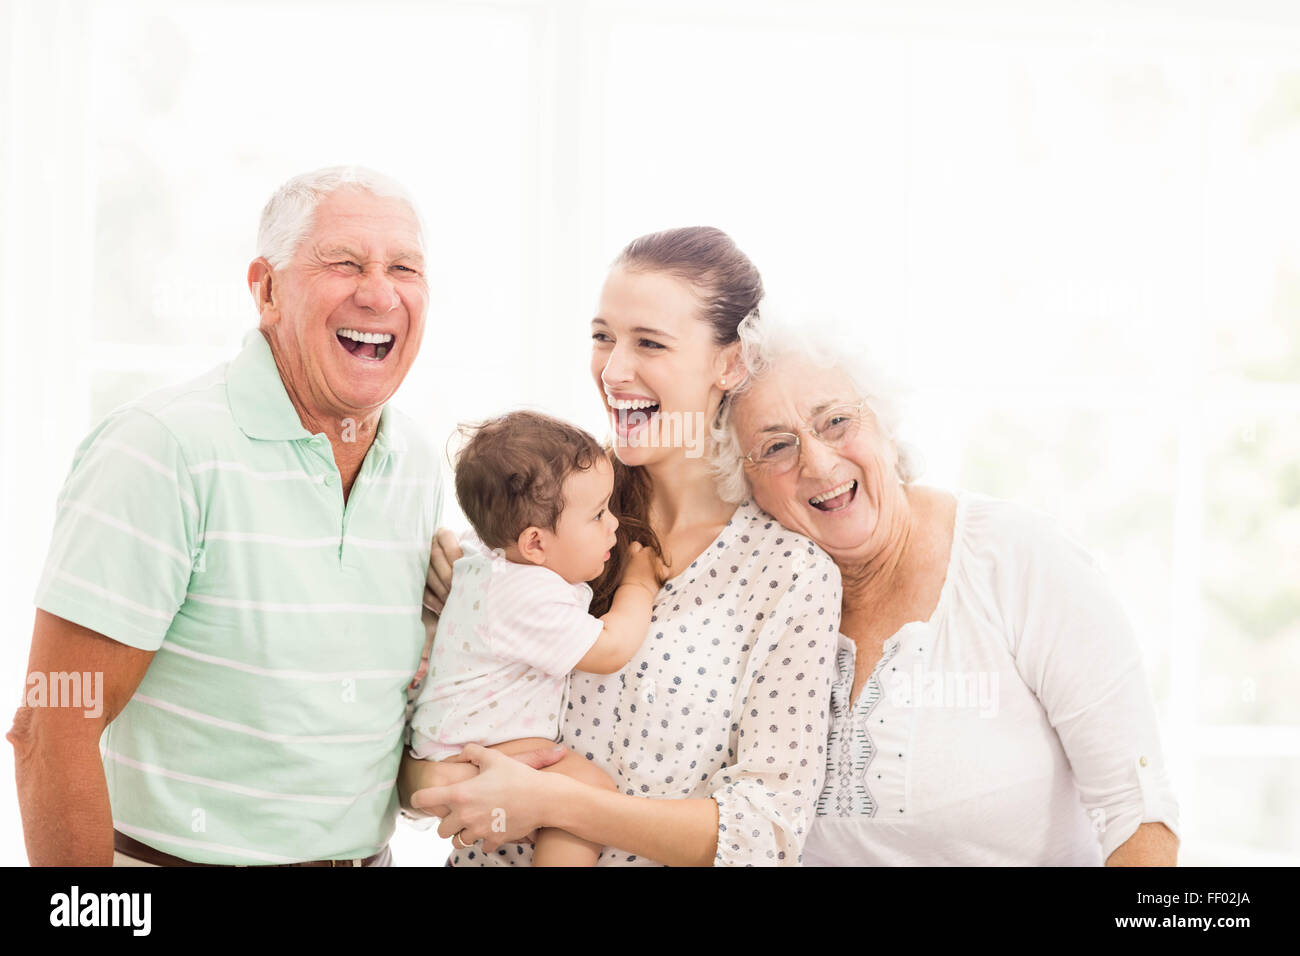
288	215
767	341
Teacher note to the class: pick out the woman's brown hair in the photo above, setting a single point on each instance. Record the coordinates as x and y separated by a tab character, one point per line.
729	289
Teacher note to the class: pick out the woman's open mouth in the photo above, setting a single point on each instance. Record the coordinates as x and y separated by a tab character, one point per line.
631	414
370	346
837	498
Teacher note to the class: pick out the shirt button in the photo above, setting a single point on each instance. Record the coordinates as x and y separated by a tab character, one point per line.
1142	762
330	480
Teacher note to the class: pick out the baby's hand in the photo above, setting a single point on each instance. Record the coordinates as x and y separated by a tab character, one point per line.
642	567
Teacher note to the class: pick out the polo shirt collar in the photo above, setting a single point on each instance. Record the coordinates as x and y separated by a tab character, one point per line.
258	400
261	407
388	438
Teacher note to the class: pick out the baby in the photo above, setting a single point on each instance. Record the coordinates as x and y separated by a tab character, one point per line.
536	491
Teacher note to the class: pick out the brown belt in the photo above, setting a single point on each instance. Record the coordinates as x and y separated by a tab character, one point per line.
147	854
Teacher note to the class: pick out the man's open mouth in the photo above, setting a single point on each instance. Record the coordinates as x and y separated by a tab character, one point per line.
372	346
837	498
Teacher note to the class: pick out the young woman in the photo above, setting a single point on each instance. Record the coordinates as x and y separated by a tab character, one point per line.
724	709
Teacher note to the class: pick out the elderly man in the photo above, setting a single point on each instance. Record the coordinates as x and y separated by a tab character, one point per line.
242	559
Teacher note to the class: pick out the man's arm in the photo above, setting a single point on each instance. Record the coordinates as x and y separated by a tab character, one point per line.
62	792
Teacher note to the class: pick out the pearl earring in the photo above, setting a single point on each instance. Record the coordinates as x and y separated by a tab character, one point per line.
723	383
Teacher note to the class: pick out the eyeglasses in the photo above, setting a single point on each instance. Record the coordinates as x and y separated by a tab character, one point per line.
778	453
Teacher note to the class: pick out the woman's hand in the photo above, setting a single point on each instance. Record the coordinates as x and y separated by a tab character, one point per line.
445	552
506	802
418	777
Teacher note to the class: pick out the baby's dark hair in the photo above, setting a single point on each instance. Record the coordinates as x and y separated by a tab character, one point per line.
510	473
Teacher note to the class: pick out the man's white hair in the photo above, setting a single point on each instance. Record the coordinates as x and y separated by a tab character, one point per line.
289	214
774	338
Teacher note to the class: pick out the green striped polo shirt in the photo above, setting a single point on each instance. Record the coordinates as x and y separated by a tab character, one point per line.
205	523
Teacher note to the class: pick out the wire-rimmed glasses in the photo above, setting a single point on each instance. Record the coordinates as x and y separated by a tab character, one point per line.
832	427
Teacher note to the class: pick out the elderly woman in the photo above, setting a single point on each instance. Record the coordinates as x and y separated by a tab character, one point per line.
990	705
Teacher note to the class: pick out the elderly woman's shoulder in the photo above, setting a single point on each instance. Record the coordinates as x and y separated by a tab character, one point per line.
1031	575
1017	534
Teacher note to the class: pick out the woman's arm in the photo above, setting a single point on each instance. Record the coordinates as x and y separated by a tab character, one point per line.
414	775
507	800
767	793
1152	844
1076	649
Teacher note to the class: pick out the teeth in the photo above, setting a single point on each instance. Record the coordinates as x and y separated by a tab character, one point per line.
367	338
631	403
381	351
834	492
